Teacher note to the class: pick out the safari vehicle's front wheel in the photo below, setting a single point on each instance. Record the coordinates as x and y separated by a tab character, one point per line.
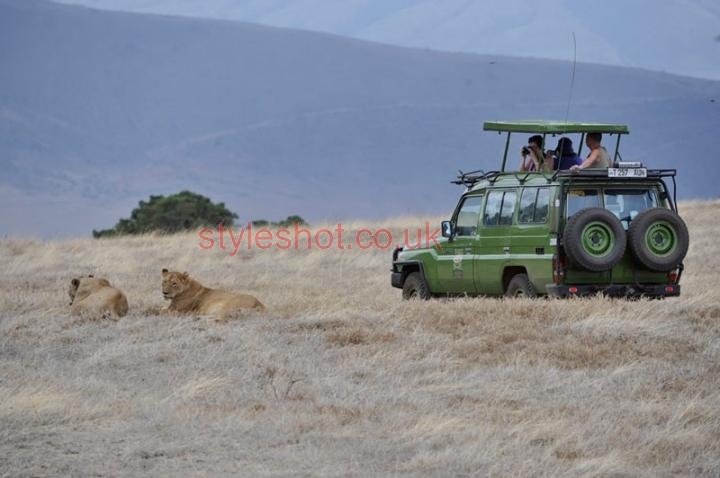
520	286
658	239
415	287
594	239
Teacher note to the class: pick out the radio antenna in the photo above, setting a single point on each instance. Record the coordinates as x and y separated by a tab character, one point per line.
572	78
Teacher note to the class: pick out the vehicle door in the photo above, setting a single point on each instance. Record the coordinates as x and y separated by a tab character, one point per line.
493	245
530	245
455	259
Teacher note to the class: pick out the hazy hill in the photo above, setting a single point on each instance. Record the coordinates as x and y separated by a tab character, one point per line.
100	109
675	36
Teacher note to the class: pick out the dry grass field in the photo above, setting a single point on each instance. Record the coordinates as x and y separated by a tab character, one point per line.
342	378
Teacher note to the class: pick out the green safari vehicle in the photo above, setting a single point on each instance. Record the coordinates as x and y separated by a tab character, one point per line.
614	231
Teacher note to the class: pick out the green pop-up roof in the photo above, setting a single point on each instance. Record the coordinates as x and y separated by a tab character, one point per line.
553	127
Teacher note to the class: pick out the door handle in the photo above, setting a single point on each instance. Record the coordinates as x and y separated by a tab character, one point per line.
468	250
506	249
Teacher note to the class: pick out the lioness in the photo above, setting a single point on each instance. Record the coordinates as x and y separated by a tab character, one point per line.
96	298
187	295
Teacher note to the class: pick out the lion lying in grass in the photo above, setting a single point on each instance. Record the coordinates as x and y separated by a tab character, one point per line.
188	296
95	298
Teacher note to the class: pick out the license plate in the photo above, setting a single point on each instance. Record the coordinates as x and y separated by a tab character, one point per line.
627	172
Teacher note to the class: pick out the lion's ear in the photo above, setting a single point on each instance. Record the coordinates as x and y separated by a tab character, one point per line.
185	275
164	271
75	282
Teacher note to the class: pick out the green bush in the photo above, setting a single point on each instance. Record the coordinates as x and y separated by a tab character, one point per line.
178	212
285	223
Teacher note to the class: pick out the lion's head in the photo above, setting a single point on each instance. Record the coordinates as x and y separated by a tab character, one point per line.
81	287
74	284
174	283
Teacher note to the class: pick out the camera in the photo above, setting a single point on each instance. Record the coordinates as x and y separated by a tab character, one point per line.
525	150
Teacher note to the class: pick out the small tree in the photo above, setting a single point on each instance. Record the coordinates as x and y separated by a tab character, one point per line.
291	220
178	212
288	222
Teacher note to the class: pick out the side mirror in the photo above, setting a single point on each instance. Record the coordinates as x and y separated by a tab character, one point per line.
447	229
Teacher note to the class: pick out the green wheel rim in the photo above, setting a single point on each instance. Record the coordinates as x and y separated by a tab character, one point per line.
661	238
598	239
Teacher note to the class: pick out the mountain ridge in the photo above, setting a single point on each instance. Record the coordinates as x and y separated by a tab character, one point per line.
99	110
675	36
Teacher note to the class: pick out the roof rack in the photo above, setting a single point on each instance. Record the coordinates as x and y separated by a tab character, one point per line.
470	178
601	173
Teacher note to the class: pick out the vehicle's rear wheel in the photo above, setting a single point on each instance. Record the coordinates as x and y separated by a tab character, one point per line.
594	239
415	287
520	286
658	239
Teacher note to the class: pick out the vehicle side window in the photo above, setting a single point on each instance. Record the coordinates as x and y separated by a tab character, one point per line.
578	199
542	206
508	208
468	216
492	208
499	208
534	205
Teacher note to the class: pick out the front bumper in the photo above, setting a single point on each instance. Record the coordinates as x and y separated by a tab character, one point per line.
396	279
619	290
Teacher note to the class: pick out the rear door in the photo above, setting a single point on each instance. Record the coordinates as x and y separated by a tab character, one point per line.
625	203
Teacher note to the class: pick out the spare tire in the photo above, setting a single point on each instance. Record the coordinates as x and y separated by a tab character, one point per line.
658	239
594	239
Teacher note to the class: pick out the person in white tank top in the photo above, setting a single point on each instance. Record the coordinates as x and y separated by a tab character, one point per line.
598	157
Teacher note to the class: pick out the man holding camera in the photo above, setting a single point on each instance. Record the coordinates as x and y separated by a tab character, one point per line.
531	154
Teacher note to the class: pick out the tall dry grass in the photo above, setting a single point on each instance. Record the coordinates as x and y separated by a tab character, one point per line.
341	377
